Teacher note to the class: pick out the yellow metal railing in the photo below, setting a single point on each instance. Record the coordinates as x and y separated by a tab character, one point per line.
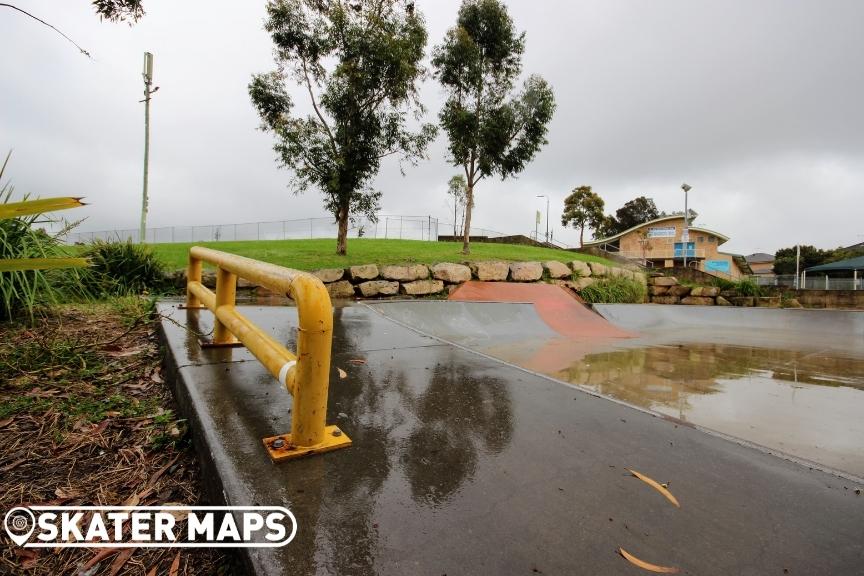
306	375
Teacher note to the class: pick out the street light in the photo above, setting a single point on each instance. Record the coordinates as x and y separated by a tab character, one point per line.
685	236
547	214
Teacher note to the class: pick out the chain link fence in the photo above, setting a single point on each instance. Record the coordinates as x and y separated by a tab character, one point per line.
387	226
810	282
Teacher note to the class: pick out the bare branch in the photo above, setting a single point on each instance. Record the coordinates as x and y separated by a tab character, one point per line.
315	106
82	50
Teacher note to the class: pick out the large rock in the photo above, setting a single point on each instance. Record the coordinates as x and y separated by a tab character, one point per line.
490	271
745	301
598	269
452	273
363	272
581	268
678	290
405	273
583	283
663	281
557	269
665	299
698	301
792	303
709	291
378	288
526	271
423	287
328	275
657	290
768	302
341	289
721	301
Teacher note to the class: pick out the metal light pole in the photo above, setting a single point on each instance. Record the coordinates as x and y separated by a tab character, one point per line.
148	81
685	236
797	265
547	214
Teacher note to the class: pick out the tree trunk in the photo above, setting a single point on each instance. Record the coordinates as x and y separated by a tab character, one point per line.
469	206
342	237
581	234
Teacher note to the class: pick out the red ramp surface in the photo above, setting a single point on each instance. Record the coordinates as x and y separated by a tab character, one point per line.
560	310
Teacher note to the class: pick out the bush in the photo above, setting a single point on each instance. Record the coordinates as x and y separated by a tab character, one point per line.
121	269
724	284
614	291
748	288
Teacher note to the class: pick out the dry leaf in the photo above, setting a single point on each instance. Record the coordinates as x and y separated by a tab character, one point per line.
13	465
132	500
66	494
656	485
5	422
152	571
101	555
342	374
357	361
179	515
175	566
645	565
156	376
121	559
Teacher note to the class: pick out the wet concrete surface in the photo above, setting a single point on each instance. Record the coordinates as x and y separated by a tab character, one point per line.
464	465
793	385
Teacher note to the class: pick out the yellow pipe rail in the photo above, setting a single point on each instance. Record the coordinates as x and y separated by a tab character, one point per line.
305	375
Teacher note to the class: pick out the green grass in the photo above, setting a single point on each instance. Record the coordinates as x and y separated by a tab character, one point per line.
320	253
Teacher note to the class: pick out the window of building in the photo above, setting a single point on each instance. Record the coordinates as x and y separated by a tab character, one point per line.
711	239
701	239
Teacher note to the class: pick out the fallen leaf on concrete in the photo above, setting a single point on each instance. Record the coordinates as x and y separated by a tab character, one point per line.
646	565
357	361
342	374
656	485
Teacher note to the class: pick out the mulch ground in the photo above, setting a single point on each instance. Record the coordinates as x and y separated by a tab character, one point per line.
86	419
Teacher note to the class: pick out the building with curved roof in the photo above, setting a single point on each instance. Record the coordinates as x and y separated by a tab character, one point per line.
660	243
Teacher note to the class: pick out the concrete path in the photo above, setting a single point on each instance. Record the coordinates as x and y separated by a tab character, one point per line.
464	465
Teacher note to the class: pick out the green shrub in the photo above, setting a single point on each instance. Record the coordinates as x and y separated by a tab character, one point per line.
724	284
614	291
122	268
748	287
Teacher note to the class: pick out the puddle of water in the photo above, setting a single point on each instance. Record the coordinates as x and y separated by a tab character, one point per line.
805	403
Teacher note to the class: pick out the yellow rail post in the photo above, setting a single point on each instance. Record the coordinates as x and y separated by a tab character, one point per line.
306	375
193	274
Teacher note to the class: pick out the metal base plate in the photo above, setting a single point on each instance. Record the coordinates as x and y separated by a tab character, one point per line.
237	344
334	439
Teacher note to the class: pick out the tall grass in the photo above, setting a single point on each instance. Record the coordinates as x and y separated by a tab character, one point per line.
23	291
614	291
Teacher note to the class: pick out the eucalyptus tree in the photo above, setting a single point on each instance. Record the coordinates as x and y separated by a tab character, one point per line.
456	188
357	65
491	130
583	208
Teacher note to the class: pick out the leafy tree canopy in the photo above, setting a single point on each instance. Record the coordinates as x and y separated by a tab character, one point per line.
784	258
358	64
490	130
119	10
583	208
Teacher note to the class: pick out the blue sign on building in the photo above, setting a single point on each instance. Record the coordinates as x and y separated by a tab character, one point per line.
718	266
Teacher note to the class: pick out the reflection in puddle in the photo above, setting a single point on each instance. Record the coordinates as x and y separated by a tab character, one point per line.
807	404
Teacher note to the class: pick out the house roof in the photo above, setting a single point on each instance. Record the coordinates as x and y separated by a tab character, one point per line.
849	264
760	258
721	237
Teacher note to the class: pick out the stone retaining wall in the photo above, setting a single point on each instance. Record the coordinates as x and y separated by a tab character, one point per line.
374	281
668	290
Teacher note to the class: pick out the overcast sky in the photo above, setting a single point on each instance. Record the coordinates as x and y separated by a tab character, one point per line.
757	104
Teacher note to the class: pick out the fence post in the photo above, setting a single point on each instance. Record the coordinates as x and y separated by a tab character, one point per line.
193	274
